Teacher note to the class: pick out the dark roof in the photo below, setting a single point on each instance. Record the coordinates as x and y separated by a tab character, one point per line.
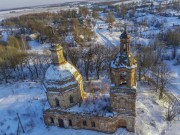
125	35
122	60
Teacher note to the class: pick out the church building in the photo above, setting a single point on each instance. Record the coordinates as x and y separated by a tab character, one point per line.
67	100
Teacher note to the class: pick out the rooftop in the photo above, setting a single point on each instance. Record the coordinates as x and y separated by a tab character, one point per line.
124	60
125	35
60	72
95	104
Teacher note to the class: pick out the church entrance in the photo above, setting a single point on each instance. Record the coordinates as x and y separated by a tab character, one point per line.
61	123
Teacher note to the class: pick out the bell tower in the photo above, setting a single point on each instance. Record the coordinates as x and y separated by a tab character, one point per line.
123	79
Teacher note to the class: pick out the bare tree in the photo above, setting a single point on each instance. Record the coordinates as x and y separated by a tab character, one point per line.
146	61
172	110
83	11
110	18
174	40
99	58
110	52
10	58
95	14
74	54
87	59
164	78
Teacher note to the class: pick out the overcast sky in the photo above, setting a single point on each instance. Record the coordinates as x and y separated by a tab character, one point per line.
5	4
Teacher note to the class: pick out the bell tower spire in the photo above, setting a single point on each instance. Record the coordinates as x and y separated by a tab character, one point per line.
125	41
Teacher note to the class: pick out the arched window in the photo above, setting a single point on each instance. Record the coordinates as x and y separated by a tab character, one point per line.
61	123
70	122
57	102
124	47
71	99
123	78
84	123
52	120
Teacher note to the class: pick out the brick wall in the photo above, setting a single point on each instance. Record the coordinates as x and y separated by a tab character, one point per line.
87	121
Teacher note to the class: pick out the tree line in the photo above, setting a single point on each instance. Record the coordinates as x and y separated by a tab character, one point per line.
56	26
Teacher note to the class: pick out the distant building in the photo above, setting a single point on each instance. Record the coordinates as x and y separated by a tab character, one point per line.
71	107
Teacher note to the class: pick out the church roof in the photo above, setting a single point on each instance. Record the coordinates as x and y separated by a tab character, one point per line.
60	72
123	60
61	76
125	35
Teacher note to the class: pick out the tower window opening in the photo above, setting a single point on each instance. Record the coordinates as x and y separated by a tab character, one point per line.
57	102
124	47
93	124
52	120
71	99
123	80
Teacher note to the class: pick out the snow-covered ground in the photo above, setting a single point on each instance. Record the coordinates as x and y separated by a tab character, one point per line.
35	46
25	98
28	100
175	75
169	21
8	14
151	114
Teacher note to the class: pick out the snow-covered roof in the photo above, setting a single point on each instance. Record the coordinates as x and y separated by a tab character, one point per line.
125	35
62	77
98	104
123	60
60	72
67	86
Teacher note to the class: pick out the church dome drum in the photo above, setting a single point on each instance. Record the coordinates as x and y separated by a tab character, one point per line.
62	81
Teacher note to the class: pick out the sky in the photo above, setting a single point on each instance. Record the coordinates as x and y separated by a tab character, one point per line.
6	4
